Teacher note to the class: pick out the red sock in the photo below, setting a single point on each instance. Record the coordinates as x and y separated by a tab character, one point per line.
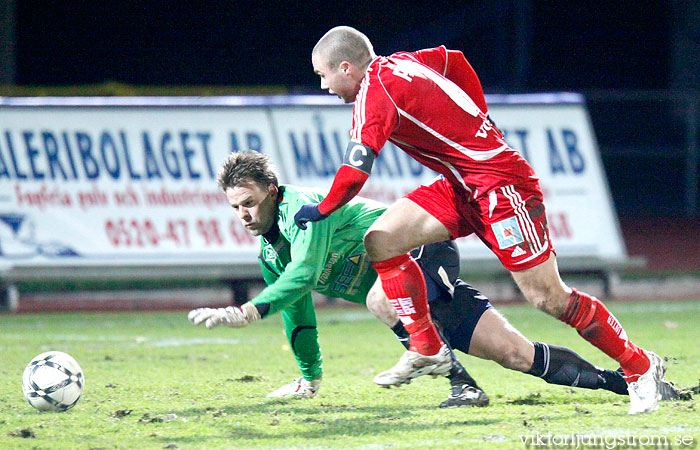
598	326
404	284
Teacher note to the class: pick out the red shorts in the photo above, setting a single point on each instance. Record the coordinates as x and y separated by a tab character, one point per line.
510	220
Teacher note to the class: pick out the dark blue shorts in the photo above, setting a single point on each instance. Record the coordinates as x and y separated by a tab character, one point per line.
455	306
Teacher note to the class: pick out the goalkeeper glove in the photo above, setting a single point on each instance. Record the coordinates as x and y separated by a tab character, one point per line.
231	317
308	213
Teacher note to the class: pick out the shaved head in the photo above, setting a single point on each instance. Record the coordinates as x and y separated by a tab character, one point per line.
344	44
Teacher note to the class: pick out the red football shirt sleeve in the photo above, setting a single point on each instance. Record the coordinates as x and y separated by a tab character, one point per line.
375	116
374	119
347	184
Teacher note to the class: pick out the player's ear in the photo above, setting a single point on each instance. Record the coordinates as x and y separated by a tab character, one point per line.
344	67
273	190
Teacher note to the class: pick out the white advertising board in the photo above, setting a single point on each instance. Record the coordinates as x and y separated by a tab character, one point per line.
136	181
122	183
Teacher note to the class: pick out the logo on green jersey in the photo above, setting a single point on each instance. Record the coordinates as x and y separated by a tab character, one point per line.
355	259
270	254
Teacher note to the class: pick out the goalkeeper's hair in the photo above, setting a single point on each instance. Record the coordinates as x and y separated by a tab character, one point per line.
344	44
244	166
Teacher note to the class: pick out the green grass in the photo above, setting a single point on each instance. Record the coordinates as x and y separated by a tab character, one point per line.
140	367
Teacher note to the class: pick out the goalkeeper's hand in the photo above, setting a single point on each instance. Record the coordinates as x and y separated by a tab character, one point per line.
308	213
231	317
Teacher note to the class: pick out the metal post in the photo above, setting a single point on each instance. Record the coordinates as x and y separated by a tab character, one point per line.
9	297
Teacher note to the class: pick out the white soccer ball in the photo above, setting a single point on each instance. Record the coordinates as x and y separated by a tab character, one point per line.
53	381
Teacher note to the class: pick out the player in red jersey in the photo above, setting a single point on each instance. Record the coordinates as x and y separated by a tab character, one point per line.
431	105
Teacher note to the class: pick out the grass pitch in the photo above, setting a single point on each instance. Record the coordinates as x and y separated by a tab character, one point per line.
155	381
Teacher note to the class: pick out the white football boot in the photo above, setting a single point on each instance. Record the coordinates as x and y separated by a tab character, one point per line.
299	388
645	393
413	365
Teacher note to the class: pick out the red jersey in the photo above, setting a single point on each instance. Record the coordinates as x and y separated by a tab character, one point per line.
431	105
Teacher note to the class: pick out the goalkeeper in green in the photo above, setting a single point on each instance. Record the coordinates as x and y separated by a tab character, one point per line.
329	258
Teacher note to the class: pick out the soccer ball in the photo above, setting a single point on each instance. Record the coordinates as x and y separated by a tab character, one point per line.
53	381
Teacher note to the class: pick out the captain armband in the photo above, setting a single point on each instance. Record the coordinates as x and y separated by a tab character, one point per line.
359	156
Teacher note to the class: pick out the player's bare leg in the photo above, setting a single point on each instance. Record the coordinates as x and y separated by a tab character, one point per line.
644	371
378	304
464	389
387	243
495	339
401	228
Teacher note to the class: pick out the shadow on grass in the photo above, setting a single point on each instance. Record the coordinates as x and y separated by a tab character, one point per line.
294	421
325	421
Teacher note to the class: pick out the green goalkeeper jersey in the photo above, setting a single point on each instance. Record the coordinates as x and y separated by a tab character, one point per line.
328	257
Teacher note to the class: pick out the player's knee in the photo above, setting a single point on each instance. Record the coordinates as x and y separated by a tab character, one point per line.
377	243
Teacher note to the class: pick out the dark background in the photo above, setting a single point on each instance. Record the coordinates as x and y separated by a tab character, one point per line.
636	62
561	45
